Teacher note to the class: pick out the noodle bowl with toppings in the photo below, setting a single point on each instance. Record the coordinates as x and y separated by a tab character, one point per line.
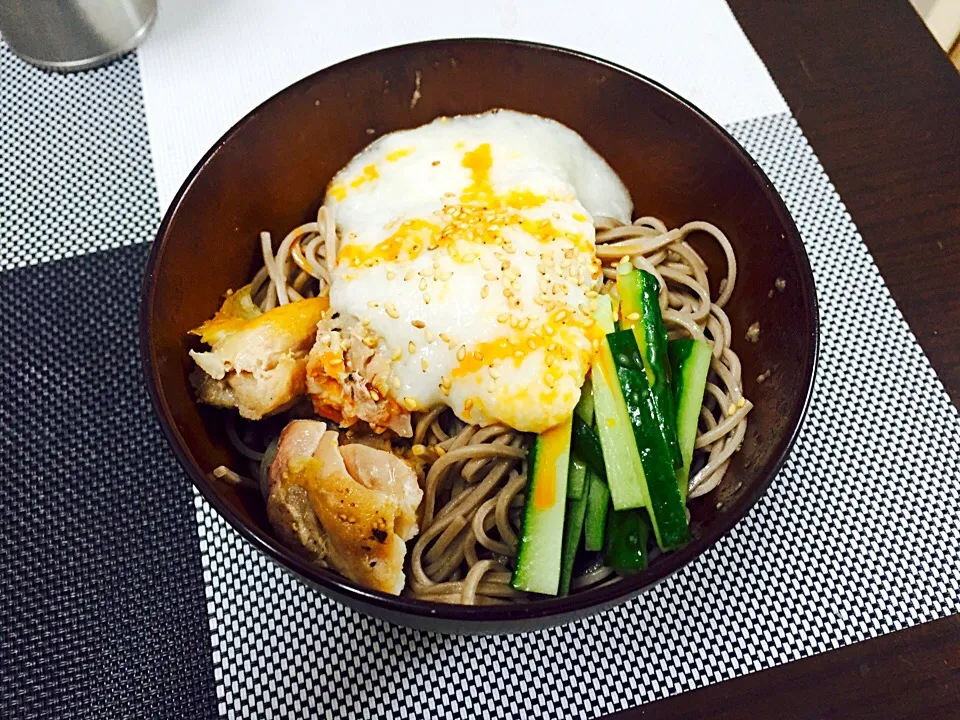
476	377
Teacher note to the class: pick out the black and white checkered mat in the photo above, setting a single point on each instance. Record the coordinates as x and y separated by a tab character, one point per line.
109	605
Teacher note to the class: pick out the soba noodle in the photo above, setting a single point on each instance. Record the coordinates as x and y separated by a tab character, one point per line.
474	477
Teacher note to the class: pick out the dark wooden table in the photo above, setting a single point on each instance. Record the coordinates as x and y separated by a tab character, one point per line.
880	103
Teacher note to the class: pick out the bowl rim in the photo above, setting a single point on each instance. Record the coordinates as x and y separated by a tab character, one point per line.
587	602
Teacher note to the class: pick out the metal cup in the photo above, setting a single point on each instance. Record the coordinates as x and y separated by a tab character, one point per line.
70	35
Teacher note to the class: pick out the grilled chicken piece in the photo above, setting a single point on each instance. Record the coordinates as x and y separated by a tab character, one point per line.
257	360
348	381
288	504
364	502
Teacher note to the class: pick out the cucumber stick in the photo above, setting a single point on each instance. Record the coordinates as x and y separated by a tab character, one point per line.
584	409
586	446
625	548
598	500
621	459
583	414
640	311
576	477
541	542
667	512
690	362
572	530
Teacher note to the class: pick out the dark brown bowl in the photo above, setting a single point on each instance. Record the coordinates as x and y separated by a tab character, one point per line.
270	170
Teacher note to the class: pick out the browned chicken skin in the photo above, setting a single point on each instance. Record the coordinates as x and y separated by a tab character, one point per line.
257	360
351	507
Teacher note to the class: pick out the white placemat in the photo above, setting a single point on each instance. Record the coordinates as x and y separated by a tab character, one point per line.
207	64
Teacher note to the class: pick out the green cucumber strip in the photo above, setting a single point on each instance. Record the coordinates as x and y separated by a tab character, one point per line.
630	290
625	549
538	557
640	311
690	362
598	500
604	313
586	446
584	408
621	459
667	511
573	529
576	477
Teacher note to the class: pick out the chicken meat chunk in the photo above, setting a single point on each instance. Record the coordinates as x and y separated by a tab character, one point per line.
352	507
257	360
348	381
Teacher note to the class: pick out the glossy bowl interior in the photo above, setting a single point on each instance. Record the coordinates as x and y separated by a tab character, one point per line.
269	173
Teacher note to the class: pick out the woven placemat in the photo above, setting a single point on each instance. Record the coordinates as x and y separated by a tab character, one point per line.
102	608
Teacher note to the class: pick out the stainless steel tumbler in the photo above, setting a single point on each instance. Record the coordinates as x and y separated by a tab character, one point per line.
69	35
